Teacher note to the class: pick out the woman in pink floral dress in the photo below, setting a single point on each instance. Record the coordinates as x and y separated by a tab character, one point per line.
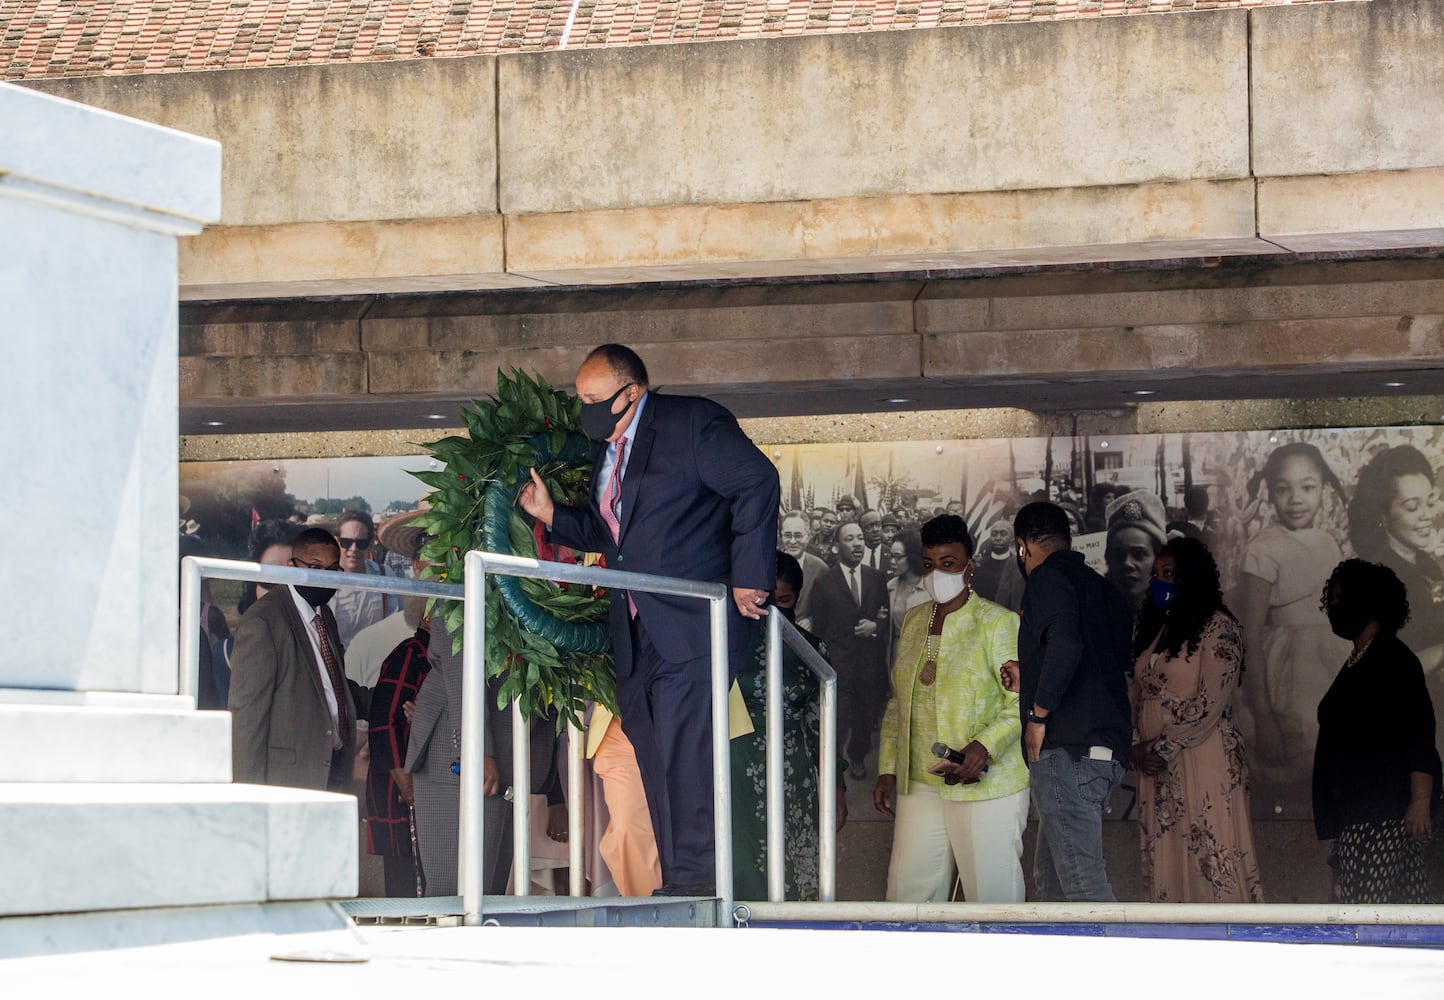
1193	803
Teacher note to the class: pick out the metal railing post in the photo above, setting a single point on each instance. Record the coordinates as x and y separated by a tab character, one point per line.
471	876
776	792
780	631
520	801
188	683
721	758
827	792
576	810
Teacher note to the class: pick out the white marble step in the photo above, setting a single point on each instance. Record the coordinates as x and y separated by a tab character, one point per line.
71	847
43	743
94	699
66	933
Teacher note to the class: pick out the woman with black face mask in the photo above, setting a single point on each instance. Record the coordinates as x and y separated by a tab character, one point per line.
1193	815
1376	771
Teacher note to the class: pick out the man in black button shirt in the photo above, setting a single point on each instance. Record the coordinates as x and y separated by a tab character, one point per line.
1071	679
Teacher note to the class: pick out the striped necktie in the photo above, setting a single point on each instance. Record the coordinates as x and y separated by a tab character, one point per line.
338	681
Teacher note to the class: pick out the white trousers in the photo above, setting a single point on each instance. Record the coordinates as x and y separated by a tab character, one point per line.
984	839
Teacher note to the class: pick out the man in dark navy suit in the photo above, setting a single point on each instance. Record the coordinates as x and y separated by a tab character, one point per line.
678	490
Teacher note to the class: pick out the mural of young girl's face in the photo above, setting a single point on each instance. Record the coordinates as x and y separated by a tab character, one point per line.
1297	492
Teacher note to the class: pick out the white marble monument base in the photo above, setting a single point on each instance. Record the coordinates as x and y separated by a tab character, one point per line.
114	793
90	846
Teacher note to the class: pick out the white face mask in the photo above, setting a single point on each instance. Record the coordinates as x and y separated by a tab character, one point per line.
944	587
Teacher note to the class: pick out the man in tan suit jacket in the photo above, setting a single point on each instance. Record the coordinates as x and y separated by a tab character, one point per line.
293	716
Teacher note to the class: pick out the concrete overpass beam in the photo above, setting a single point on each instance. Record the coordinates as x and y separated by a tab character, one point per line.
1314	320
1347	144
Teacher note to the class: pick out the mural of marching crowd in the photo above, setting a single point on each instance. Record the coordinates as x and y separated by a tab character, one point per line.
1277	509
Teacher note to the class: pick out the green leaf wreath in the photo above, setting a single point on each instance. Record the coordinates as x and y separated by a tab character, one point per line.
549	642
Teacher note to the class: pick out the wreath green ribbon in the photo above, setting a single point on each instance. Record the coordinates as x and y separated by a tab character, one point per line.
497	507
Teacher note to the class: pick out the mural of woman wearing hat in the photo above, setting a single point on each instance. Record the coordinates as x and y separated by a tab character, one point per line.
1135	534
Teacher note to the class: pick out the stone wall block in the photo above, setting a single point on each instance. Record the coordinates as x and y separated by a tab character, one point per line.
276	337
274	375
1183	305
340	258
1342	87
463	371
1377	210
1224	348
664	318
798	360
905	112
325	143
676	364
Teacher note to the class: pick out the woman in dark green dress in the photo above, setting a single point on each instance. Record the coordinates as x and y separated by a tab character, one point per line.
800	749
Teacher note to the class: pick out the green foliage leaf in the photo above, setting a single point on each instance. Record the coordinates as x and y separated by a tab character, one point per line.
519	428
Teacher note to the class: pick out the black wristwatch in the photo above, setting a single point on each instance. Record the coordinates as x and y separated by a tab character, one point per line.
1041	720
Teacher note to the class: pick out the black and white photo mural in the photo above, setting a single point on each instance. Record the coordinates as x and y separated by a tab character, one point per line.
1278	509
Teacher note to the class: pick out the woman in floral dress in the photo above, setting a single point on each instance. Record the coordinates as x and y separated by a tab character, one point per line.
799	764
1193	804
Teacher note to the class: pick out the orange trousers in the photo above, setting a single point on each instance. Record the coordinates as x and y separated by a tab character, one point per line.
628	846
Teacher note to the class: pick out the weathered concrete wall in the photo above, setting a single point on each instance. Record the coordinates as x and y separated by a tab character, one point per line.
1009	108
342	177
1347	103
1141	138
1350	87
339	143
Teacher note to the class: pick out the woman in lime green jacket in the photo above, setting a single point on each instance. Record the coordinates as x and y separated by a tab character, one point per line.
970	811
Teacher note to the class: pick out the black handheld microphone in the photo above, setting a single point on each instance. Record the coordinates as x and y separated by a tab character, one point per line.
944	752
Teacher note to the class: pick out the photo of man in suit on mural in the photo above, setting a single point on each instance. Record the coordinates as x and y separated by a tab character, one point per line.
849	609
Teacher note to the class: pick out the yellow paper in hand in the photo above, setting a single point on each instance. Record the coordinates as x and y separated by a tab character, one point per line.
738	717
740	722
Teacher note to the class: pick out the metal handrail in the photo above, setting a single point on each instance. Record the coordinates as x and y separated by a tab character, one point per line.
478	565
193	568
779	631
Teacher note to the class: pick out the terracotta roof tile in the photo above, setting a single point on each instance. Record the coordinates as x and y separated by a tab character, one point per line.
40	38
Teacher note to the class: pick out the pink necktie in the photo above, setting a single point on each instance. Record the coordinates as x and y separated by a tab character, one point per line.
610	497
613	493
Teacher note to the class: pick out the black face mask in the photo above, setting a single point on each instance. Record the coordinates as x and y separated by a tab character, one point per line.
598	420
787	612
316	596
1347	622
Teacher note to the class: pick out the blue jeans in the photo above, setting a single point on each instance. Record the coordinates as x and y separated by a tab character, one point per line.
1068	799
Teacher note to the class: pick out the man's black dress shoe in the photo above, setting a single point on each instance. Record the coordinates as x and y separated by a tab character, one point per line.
682	889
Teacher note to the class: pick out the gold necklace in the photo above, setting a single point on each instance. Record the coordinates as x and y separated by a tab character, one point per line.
930	668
